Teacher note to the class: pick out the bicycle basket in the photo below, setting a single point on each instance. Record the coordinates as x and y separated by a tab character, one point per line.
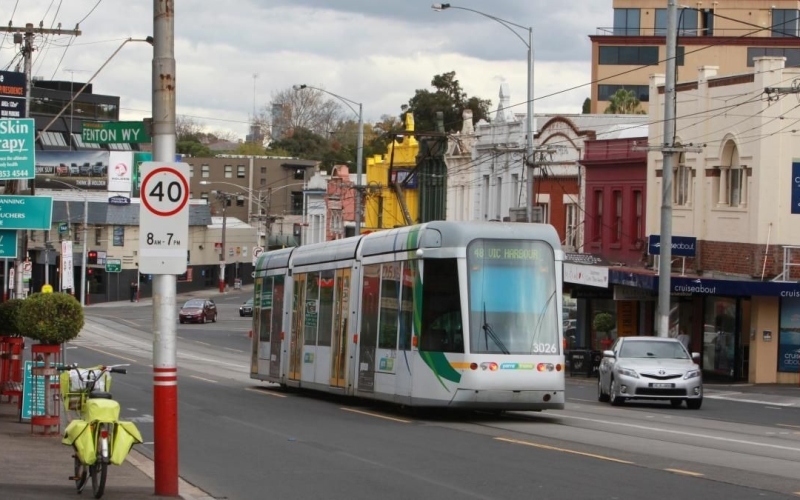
74	388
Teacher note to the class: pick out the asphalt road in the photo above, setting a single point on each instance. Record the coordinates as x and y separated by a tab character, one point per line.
242	439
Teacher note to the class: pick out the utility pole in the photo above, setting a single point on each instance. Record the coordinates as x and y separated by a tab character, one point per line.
668	149
165	368
24	36
223	197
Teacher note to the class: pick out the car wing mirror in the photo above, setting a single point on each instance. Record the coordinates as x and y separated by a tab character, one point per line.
609	354
695	355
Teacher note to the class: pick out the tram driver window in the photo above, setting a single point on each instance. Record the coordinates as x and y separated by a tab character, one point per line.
441	307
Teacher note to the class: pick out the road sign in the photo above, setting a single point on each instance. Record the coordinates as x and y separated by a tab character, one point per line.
27	271
63	228
26	212
17	156
682	246
8	244
11	278
257	251
164	218
114	132
113	265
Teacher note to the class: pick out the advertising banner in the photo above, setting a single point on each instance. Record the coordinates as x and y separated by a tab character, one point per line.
83	169
120	171
12	94
789	342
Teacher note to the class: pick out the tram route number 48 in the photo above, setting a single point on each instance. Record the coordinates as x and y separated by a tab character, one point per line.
164	217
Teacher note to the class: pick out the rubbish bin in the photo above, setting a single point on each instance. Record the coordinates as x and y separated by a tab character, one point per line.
579	362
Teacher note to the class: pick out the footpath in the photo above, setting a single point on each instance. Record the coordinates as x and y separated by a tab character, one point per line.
37	467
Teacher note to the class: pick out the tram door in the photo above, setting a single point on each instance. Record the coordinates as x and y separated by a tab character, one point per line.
296	340
276	337
341	301
368	333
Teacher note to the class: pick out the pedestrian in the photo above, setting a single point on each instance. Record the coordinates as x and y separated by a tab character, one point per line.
134	288
684	339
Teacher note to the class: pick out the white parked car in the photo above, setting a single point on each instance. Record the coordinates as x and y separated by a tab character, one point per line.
650	368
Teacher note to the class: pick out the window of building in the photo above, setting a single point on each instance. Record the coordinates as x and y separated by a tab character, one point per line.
263	170
731	186
300	173
263	182
297	203
638	218
598	215
53	139
228	171
642	92
191	170
571	229
784	22
682	184
119	236
617	234
98	235
628	55
687	22
204	171
626	22
240	201
515	190
484	197
543	209
792	55
707	22
240	171
204	195
498	198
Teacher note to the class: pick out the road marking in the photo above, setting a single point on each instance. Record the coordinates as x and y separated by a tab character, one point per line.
232	349
772	408
584	400
787	425
564	450
204	343
266	392
682	433
204	379
728	397
377	415
117	319
685	472
110	354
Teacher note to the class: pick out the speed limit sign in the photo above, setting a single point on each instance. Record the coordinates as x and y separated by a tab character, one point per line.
164	218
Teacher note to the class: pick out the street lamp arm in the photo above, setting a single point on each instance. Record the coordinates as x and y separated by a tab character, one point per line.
343	99
149	40
506	24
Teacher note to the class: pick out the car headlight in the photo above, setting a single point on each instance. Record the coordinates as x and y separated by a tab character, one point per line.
691	374
628	372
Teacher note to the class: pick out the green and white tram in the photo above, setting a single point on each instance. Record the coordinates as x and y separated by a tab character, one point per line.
453	314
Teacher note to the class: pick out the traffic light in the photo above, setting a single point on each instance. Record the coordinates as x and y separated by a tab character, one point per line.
91	257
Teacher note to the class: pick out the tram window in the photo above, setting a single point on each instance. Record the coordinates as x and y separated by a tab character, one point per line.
264	310
390	305
311	309
407	304
441	307
277	304
326	288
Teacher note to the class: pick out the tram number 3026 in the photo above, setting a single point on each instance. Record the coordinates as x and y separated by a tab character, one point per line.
544	348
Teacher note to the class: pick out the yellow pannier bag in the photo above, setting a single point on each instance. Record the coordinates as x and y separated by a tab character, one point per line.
78	434
125	436
101	410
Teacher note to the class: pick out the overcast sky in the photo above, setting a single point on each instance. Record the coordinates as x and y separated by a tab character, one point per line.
377	52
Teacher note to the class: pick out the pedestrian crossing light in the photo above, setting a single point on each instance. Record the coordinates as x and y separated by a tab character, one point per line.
91	257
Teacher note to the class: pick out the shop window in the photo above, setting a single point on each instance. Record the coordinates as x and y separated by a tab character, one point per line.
719	335
789	336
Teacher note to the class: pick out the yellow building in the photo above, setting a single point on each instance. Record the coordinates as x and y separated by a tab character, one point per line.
386	190
723	33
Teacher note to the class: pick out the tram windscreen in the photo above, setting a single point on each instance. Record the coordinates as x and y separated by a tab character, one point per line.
512	297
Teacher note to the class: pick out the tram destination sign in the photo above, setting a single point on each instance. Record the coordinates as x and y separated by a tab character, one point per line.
114	132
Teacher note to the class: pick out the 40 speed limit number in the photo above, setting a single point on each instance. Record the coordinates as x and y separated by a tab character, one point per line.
164	218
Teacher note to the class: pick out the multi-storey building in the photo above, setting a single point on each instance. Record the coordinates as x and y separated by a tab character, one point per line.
726	33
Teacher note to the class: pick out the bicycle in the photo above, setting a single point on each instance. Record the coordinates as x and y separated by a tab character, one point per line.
98	437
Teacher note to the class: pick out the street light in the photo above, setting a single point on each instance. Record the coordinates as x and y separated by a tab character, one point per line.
439	7
359	145
85	225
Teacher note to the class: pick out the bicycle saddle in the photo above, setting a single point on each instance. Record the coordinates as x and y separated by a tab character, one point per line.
100	395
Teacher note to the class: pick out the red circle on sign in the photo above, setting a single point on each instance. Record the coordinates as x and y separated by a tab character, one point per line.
180	206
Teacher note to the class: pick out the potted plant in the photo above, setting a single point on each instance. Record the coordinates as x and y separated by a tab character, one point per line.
50	318
9	310
603	323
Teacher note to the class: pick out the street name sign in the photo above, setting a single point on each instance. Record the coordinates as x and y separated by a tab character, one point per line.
8	244
17	148
164	218
25	212
114	132
113	265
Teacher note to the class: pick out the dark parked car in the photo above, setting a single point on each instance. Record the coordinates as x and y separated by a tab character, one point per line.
98	169
86	169
246	309
198	311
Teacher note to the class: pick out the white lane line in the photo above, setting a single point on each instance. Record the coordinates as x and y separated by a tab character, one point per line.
204	379
730	397
266	392
682	433
233	350
685	472
377	415
772	408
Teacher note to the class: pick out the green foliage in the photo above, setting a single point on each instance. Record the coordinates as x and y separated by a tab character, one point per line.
50	318
304	143
624	102
249	148
603	322
587	106
449	98
194	148
9	311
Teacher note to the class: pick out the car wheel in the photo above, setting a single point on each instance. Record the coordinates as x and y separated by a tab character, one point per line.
181	321
694	404
241	314
601	396
204	320
614	398
214	319
676	403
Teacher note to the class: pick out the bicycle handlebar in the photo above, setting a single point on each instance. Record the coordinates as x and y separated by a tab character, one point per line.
118	370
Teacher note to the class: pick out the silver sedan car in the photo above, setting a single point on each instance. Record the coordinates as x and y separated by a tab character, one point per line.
650	368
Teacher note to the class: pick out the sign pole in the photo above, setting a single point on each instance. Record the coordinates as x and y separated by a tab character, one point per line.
165	370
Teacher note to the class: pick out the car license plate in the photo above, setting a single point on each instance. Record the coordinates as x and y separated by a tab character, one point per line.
662	386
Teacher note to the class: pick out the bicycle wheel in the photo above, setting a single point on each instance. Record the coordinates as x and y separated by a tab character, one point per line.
98	473
80	475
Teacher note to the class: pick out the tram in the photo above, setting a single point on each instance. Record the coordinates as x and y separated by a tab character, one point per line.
441	314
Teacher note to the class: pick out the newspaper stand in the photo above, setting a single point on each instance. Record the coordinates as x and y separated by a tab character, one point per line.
11	368
45	394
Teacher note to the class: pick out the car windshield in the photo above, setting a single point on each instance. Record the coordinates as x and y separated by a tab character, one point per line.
653	349
193	303
249	302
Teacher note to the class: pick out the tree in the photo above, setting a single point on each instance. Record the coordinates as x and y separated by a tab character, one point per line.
624	102
587	106
306	108
249	149
449	98
193	147
304	143
50	318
